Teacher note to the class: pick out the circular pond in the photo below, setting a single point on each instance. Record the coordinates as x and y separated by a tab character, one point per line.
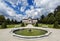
30	32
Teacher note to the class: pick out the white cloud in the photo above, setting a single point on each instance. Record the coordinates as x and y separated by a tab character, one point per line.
9	11
46	6
22	9
33	12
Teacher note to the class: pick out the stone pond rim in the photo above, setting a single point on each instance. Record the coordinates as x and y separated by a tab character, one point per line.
37	36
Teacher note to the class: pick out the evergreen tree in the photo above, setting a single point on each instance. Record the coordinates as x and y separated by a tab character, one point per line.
12	21
45	20
51	19
49	14
41	19
8	21
20	21
58	17
15	22
56	10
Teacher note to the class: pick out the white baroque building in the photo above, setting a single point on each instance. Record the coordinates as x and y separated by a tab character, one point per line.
29	21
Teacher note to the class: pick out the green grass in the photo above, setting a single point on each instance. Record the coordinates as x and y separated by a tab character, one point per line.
46	25
34	32
12	26
39	25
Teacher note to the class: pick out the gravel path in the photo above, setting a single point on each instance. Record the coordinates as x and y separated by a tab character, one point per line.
5	35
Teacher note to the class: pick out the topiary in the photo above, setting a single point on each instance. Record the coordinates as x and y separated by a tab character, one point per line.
22	25
56	25
36	24
4	25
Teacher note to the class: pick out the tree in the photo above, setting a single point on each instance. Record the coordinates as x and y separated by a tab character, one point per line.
2	19
8	21
56	25
42	17
49	14
45	20
12	21
58	17
51	19
21	21
56	10
4	25
36	24
22	25
15	22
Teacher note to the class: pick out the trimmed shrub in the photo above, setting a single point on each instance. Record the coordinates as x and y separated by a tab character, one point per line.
56	25
4	25
36	24
22	25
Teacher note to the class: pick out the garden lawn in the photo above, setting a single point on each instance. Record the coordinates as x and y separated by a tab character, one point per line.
12	26
45	25
48	25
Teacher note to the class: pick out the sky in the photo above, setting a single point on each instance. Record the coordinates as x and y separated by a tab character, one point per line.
22	9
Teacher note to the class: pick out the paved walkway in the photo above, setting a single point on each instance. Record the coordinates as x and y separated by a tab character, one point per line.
5	35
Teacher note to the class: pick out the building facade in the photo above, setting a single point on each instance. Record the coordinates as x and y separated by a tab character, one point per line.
29	21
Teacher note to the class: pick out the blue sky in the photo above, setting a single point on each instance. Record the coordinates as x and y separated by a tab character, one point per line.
20	9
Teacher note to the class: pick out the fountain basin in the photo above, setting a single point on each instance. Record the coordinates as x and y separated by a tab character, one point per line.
29	35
